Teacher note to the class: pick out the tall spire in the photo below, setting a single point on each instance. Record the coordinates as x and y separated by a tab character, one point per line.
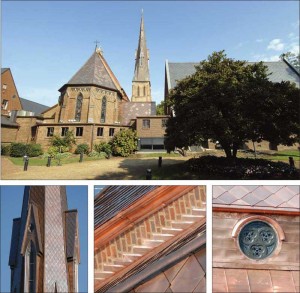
141	79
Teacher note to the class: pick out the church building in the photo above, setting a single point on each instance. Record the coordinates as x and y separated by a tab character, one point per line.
95	107
44	251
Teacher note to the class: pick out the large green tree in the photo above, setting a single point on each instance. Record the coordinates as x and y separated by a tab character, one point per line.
231	102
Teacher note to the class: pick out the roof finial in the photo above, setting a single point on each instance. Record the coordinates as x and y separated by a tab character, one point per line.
96	42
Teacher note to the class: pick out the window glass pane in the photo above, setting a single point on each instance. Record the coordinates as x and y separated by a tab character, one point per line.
78	107
111	131
103	110
100	131
257	240
79	131
146	123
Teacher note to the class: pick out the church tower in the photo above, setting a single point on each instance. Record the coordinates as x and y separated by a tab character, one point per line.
141	86
44	252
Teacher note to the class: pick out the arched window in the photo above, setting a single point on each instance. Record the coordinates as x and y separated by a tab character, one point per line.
78	107
144	90
138	91
103	110
30	268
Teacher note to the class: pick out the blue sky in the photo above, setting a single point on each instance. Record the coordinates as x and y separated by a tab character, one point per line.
11	205
45	43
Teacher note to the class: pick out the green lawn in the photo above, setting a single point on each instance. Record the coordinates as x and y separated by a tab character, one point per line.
54	162
284	156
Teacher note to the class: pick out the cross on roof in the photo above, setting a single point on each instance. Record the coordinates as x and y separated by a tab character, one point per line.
96	42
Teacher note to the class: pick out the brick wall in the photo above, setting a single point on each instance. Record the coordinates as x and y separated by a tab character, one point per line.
155	130
9	92
8	134
91	105
24	133
176	216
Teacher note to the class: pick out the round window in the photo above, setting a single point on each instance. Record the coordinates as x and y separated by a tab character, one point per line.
257	240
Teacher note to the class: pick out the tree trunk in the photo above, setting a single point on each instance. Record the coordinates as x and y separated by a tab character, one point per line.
227	151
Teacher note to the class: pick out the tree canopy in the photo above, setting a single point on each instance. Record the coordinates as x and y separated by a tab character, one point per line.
231	101
160	108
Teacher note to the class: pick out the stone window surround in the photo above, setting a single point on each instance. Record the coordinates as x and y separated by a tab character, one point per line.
100	131
111	131
64	131
50	131
146	124
274	224
79	131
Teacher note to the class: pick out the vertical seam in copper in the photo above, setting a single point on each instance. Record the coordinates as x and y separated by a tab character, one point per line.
248	281
272	285
227	288
293	281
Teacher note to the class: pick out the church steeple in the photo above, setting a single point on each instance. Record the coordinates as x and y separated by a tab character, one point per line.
141	87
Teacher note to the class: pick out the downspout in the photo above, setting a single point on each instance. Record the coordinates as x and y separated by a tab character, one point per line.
92	136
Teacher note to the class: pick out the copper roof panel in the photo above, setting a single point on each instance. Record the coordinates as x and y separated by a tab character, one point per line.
237	280
260	281
157	284
284	198
282	281
219	281
201	287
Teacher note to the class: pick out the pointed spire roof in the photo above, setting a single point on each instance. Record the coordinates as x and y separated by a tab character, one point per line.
141	71
96	72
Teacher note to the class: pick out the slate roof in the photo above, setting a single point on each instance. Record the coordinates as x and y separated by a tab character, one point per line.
14	242
5	121
131	110
93	72
71	230
31	106
280	71
4	69
113	199
284	198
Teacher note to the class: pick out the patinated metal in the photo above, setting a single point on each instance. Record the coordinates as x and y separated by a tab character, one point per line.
257	240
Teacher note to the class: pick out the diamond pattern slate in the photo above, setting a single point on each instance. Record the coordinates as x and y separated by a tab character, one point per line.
272	197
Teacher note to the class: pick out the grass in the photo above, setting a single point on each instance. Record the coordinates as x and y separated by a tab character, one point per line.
283	156
54	162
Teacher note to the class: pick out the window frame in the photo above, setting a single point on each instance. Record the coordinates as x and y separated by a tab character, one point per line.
49	132
79	131
101	130
111	132
146	125
64	131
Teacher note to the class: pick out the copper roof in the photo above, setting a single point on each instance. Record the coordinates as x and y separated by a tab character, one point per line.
243	280
280	198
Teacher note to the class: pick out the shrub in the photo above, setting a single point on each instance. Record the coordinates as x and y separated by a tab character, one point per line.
5	149
66	141
18	149
82	148
103	147
94	154
211	167
124	143
34	150
54	150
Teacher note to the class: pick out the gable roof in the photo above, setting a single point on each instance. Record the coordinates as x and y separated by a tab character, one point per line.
279	70
271	198
4	69
31	106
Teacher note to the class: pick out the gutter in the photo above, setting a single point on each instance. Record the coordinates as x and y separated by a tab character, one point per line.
160	265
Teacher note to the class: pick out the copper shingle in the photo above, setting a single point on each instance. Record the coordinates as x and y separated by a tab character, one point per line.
243	280
270	197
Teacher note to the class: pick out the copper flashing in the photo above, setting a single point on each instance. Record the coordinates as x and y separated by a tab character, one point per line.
139	210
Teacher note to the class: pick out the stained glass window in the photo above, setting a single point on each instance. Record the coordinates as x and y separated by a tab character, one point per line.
78	107
257	240
103	110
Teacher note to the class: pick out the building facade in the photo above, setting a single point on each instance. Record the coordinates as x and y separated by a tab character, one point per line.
44	253
93	105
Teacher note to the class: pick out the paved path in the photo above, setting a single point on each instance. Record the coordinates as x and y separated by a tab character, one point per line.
112	169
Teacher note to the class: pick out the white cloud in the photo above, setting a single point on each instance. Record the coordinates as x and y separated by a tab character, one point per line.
294	48
276	45
265	58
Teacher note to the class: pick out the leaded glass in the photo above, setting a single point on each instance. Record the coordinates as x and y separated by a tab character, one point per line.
103	110
257	240
78	107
